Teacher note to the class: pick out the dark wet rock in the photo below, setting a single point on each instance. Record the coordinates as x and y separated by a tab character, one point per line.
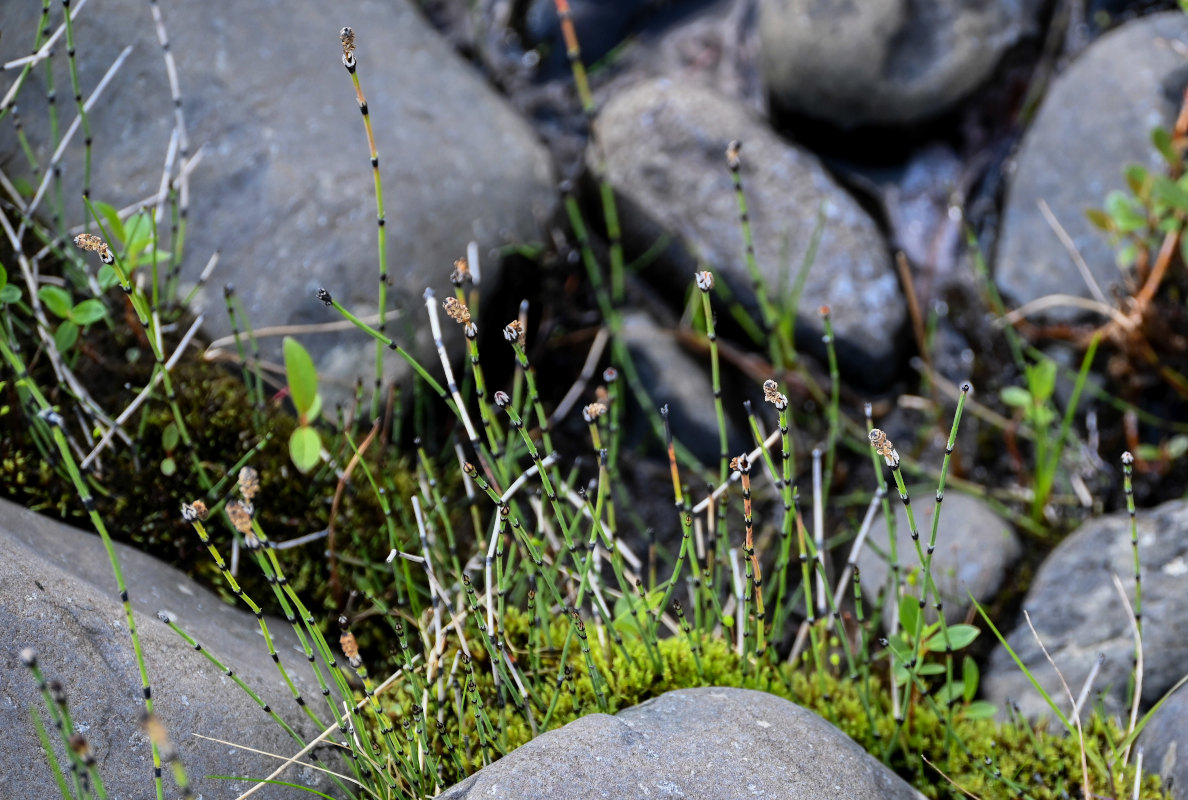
1165	744
58	596
665	146
884	62
1095	120
710	742
1079	615
714	44
284	189
975	549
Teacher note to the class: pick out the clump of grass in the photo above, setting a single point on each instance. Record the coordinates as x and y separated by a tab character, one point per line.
494	588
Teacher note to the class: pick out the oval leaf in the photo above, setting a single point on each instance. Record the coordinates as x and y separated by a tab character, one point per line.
170	437
962	635
65	336
88	311
969	678
980	709
107	277
57	300
948	694
10	293
305	448
112	217
1100	219
1015	396
909	614
303	378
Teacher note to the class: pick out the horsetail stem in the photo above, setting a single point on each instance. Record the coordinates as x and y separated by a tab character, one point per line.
347	38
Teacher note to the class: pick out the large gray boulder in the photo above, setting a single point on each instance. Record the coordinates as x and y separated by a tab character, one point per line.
709	742
665	145
1095	120
59	597
879	62
284	190
1078	614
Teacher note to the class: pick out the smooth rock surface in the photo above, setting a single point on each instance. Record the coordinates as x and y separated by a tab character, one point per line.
975	548
58	596
1165	744
1078	613
884	62
284	189
665	145
710	742
675	379
1095	120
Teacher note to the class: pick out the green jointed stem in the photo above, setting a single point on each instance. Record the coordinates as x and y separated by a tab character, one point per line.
834	401
788	521
884	448
767	314
78	100
251	368
705	282
610	211
168	619
84	773
193	514
347	37
1128	487
55	422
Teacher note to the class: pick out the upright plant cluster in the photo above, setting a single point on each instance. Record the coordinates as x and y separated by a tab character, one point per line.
528	605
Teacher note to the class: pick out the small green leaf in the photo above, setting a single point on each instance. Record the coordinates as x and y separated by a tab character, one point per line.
170	437
10	293
1015	396
969	678
3	276
57	300
961	636
168	467
727	620
900	648
909	614
948	693
1137	179
138	233
115	226
1100	219
303	378
1126	255
1172	193
980	709
930	668
1126	218
108	277
65	336
1041	380
305	448
88	311
1149	452
1163	143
